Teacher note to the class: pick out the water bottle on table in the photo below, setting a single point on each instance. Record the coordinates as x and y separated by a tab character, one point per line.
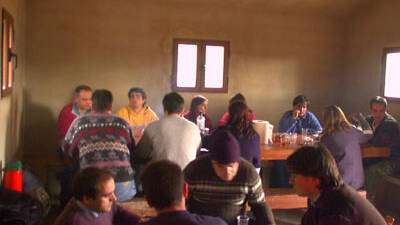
201	122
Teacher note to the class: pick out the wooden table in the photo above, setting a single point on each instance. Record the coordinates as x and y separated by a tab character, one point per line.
276	152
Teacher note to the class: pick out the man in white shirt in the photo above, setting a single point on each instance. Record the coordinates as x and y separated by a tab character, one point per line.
172	137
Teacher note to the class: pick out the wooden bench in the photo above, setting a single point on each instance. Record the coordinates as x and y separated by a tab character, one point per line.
286	198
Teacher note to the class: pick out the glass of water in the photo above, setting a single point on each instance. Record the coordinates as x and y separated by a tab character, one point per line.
242	219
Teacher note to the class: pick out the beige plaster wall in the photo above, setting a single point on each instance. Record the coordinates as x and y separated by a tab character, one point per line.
369	31
121	43
11	106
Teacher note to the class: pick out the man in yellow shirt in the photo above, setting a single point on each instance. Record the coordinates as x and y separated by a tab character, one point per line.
137	113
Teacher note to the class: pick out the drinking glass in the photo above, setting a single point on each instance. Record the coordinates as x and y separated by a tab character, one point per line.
242	220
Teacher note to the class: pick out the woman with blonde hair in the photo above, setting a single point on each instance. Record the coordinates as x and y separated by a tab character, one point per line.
343	140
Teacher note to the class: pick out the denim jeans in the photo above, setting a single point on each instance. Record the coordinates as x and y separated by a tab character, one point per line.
125	190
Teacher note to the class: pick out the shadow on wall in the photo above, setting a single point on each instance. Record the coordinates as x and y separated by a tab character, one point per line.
40	136
14	129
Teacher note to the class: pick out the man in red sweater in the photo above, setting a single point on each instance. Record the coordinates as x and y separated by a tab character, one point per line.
81	103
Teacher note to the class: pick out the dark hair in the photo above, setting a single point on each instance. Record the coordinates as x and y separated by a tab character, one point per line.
237	98
102	100
162	183
196	101
173	102
378	100
138	90
82	87
300	99
315	162
239	123
86	182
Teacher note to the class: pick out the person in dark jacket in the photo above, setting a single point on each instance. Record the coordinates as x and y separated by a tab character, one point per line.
332	202
386	134
343	141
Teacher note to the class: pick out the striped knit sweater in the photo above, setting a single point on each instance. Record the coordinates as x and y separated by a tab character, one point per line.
209	195
103	141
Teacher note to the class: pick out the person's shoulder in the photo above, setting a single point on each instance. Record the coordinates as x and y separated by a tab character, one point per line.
67	106
310	114
247	170
118	119
66	109
199	163
184	121
149	110
287	114
340	201
390	120
71	215
123	111
155	124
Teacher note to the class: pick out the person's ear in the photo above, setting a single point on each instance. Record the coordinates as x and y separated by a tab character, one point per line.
86	200
185	191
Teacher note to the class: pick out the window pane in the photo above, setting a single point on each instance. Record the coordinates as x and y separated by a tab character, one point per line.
214	68
4	58
392	75
187	65
10	64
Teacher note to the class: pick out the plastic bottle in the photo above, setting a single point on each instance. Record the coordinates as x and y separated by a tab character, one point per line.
201	122
13	176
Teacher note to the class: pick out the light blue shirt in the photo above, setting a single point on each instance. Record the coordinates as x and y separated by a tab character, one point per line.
288	124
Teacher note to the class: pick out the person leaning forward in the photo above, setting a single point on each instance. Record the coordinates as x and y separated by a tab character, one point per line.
332	202
221	183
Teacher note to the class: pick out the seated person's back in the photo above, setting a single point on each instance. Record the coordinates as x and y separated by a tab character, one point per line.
172	137
343	141
165	190
100	139
241	127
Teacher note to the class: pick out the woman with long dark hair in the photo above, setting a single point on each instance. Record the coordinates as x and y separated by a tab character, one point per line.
241	126
236	98
199	106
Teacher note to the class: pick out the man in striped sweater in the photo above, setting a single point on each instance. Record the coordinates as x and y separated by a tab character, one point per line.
221	183
100	139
